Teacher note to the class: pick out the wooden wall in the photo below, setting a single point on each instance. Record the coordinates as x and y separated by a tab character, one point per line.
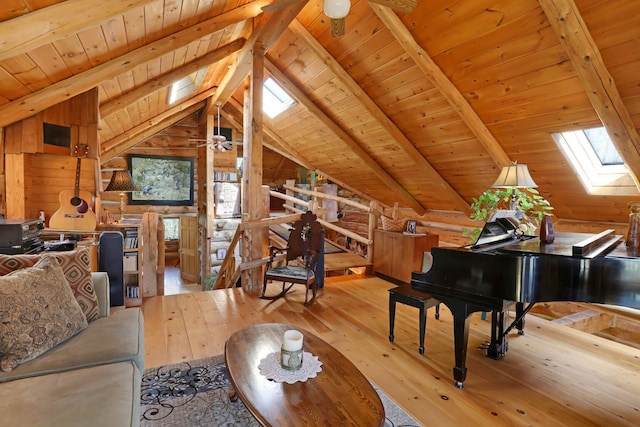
172	141
35	173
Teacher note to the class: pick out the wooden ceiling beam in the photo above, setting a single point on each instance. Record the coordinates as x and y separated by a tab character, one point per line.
291	153
599	84
32	30
288	151
344	136
79	83
121	140
267	30
169	78
387	124
446	88
147	129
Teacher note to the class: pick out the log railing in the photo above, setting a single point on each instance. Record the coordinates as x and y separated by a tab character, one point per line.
229	274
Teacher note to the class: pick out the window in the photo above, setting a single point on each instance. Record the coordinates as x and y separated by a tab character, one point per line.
596	161
186	85
274	99
171	228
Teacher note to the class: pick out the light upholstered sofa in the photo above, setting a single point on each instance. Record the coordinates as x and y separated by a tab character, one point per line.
92	379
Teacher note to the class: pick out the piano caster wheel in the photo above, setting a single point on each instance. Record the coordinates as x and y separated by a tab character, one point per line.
459	384
520	332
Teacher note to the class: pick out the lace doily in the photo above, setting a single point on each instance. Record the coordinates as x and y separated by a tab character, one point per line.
270	367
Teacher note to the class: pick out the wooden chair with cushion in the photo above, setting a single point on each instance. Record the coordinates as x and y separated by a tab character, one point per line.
304	248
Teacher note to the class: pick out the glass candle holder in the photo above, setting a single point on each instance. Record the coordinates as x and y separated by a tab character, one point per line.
291	351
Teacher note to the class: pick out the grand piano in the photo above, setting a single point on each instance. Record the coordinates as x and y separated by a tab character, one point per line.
503	269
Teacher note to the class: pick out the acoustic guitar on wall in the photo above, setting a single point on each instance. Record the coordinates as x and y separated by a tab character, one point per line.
75	213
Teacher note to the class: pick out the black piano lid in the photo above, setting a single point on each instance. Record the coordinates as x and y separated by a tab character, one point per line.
564	243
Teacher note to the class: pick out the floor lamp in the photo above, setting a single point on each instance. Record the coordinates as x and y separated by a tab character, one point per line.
121	181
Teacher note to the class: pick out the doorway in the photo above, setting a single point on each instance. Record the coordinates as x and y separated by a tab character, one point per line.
188	248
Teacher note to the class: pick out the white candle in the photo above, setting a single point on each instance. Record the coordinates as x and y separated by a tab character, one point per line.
292	340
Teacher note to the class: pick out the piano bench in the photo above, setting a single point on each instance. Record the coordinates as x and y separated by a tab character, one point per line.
405	294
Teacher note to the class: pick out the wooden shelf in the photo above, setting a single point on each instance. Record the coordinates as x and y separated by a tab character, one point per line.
132	277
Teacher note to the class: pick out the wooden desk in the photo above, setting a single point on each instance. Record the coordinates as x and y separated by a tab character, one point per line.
339	396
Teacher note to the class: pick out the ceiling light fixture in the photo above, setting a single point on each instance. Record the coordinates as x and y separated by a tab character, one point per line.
336	9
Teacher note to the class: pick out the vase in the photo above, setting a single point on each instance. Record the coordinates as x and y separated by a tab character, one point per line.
633	233
547	234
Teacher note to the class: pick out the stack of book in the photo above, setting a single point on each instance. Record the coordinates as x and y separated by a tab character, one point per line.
130	238
133	291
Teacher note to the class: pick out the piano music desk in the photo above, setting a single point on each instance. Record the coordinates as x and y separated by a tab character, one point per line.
406	295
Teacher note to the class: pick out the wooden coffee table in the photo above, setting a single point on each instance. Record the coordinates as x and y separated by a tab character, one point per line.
338	396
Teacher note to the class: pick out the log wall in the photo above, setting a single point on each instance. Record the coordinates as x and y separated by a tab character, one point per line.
35	173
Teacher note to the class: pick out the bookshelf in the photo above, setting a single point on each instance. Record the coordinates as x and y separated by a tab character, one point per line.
132	260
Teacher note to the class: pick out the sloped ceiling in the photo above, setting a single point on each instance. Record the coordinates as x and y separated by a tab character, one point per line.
421	109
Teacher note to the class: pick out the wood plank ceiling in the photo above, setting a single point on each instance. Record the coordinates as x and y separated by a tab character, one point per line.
421	108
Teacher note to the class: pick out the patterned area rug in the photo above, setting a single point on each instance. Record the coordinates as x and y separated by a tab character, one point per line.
196	393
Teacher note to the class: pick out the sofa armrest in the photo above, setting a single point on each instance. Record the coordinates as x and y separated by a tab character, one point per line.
101	286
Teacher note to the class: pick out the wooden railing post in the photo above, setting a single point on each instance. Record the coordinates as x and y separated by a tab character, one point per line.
229	273
373	222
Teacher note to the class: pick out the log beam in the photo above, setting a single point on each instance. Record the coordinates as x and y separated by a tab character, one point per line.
79	83
599	84
32	30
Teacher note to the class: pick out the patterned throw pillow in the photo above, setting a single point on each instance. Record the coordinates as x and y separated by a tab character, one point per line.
77	269
37	312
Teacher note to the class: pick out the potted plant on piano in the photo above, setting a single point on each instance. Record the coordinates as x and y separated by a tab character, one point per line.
527	200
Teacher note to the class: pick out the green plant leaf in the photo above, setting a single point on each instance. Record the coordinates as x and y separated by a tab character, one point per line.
528	200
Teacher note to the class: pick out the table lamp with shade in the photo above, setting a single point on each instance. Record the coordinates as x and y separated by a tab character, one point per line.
514	176
121	181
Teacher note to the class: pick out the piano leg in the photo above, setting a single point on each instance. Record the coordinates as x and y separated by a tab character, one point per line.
520	315
461	311
461	324
498	345
392	314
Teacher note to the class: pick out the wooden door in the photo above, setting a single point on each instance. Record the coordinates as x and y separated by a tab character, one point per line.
189	248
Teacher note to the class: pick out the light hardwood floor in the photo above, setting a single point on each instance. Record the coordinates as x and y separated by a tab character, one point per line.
551	376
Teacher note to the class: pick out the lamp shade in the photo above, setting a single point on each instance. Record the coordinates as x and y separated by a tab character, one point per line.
514	176
336	9
121	181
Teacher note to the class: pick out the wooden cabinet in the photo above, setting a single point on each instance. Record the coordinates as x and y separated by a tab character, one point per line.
396	254
132	260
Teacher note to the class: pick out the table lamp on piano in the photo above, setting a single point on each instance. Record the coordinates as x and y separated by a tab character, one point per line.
517	176
514	176
121	181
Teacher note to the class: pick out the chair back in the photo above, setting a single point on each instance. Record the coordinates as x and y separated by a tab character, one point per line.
305	239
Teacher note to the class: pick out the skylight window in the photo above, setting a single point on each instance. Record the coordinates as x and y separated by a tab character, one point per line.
274	98
181	88
186	85
597	162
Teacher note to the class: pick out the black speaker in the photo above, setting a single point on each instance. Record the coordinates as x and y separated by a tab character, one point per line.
110	259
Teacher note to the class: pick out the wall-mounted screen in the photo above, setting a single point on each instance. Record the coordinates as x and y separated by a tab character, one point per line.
57	135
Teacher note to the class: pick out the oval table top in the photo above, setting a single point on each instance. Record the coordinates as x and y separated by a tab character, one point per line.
338	396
